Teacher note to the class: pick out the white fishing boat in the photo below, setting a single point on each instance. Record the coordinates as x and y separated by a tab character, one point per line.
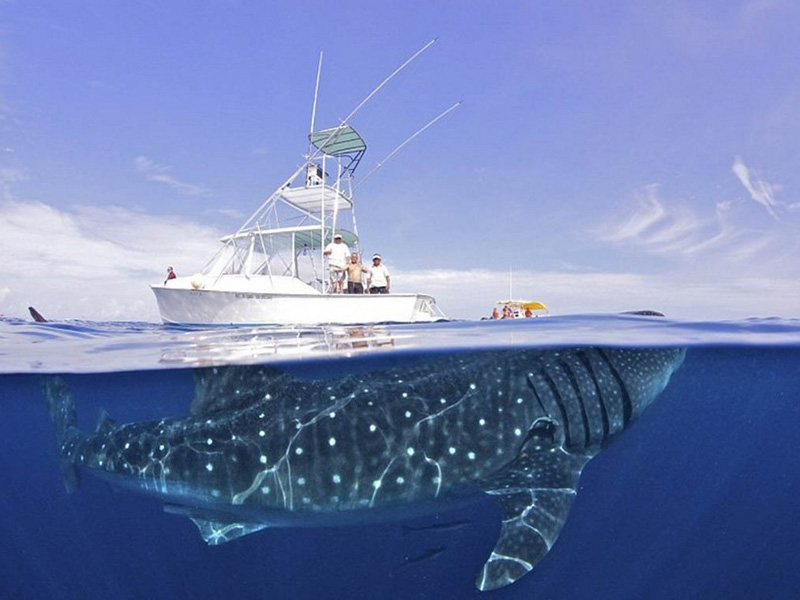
273	269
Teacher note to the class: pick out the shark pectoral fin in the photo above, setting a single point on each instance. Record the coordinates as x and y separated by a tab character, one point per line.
215	528
219	532
535	492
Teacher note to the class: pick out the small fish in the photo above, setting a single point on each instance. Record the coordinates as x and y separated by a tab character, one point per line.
432	553
451	526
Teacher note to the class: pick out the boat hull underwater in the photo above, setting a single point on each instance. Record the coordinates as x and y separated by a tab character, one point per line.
263	441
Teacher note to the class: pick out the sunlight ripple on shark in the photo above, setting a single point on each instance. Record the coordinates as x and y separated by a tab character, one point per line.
264	447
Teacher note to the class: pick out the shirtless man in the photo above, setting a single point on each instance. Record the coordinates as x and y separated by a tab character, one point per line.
355	274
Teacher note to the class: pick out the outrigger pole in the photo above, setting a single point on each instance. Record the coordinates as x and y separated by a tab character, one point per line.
385	81
406	142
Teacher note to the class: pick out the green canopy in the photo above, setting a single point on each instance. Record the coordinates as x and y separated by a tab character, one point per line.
338	140
311	239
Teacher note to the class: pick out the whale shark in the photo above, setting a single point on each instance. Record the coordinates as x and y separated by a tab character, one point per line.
265	446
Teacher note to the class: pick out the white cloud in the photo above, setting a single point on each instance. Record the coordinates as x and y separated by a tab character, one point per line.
91	262
760	191
96	263
160	174
471	294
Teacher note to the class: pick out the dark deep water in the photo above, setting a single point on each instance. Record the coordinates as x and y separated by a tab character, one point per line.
698	499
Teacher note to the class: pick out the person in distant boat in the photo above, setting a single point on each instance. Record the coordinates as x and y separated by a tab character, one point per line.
528	313
507	312
355	275
378	281
495	314
337	253
170	275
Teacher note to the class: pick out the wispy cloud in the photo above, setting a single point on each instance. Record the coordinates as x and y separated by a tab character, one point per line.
692	241
734	24
670	228
650	213
161	174
230	213
92	262
8	177
760	191
661	229
3	77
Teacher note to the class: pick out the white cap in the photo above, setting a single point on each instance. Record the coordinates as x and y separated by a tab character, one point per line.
374	256
338	235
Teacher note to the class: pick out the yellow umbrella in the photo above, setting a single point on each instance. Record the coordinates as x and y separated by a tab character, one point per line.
524	304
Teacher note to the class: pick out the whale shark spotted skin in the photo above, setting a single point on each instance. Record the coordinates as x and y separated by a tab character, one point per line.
263	445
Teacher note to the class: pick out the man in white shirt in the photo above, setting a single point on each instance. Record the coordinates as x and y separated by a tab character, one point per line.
337	253
378	279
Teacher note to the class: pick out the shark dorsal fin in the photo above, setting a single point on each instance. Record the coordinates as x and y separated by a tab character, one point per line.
104	422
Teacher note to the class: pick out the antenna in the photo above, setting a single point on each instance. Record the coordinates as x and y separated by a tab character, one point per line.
407	141
314	106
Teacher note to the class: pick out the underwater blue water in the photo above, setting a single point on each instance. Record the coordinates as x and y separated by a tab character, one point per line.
698	499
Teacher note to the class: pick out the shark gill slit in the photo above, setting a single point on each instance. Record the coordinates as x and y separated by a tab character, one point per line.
601	400
560	403
536	397
627	404
576	388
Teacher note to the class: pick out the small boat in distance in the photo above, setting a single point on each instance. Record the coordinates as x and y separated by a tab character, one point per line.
521	308
272	270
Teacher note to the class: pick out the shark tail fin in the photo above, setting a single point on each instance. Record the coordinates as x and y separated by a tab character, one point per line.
65	419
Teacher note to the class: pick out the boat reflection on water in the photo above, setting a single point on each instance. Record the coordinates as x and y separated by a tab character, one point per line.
208	347
336	441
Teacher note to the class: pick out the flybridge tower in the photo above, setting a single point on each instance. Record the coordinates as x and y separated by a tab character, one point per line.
286	237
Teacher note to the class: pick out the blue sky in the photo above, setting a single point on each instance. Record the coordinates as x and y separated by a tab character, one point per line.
613	155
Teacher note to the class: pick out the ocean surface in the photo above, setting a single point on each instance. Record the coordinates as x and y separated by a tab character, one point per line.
697	498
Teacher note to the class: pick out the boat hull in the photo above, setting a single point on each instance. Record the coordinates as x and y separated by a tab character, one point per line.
218	307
